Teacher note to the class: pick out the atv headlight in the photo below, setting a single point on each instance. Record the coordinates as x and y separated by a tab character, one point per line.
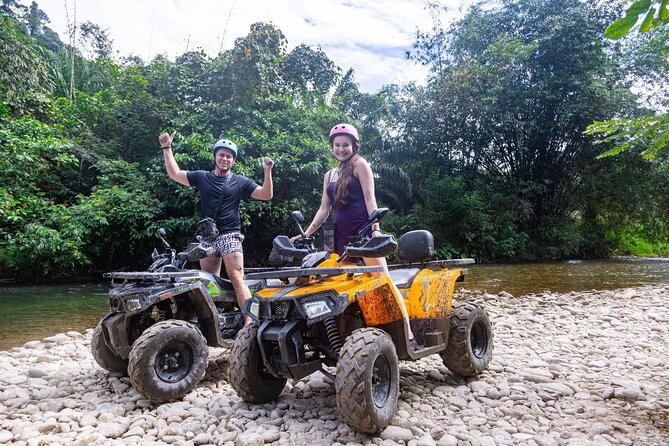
253	309
132	305
316	308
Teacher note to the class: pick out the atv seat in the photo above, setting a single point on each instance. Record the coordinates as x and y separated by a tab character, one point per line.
416	246
403	278
224	283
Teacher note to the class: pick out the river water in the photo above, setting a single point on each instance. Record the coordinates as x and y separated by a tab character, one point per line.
35	312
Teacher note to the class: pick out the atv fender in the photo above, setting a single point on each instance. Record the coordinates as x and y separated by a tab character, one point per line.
207	315
206	311
431	293
115	334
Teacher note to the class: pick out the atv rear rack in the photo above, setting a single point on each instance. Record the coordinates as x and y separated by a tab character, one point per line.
433	264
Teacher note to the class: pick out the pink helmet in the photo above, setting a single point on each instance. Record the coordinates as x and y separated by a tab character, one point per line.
344	129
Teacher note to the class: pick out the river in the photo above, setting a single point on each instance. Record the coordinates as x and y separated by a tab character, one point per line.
35	312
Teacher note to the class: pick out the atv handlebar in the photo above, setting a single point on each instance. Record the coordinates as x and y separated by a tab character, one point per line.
283	247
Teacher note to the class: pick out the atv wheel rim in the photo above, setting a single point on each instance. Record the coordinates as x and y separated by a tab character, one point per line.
478	339
173	362
380	381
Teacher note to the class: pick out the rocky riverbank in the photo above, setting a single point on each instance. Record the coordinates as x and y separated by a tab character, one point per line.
587	368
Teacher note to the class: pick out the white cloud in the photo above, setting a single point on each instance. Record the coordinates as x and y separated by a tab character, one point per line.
369	36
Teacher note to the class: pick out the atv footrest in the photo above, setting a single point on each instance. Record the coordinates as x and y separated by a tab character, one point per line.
230	323
434	338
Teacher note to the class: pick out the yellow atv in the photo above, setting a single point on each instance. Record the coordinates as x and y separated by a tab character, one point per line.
333	313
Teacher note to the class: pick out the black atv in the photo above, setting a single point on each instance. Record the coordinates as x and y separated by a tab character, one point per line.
161	321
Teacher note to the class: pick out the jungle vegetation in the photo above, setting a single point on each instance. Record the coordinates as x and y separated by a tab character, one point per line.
489	154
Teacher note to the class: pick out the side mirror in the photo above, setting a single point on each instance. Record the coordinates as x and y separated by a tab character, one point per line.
378	214
299	218
297	215
161	236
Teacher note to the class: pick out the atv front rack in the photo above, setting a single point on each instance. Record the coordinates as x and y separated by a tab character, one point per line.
150	276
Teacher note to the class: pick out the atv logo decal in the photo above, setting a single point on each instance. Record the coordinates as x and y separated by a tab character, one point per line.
213	289
179	290
166	296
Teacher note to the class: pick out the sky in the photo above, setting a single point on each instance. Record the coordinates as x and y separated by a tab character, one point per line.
370	36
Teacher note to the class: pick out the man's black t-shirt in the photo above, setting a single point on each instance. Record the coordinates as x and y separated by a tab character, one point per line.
211	186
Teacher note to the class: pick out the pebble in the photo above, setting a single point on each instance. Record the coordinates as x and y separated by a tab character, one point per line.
580	368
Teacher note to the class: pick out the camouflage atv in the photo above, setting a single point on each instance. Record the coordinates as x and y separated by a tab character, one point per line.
162	321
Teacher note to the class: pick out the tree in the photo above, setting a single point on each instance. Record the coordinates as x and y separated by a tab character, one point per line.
256	62
96	39
506	110
310	73
646	134
22	72
36	19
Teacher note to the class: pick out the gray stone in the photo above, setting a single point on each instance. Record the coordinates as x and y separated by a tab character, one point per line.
561	389
135	431
203	438
653	362
396	433
249	439
37	373
112	430
271	436
5	436
645	405
487	441
629	394
425	440
545	440
447	440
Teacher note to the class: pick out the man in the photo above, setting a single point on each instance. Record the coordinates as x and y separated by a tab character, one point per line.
220	194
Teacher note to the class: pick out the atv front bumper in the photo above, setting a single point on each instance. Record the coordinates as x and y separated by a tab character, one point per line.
291	360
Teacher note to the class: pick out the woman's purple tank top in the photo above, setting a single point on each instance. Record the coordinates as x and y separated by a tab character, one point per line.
351	217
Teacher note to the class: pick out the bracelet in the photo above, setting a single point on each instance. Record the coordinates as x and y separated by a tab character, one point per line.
376	230
165	148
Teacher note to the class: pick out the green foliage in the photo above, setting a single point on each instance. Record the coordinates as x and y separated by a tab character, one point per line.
640	9
635	241
646	135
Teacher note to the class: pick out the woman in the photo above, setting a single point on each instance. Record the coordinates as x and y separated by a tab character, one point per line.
349	191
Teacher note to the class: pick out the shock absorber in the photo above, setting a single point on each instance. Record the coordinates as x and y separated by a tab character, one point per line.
333	335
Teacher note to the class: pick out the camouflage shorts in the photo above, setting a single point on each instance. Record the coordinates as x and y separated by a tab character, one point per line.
227	243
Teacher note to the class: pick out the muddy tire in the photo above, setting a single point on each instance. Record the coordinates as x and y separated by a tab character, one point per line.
168	360
367	383
104	356
469	349
248	375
